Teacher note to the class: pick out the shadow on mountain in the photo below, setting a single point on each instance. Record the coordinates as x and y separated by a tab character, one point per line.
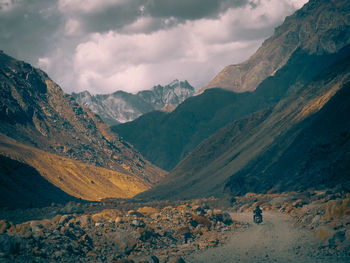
22	186
318	158
166	139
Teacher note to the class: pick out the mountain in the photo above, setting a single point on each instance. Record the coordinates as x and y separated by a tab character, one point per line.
319	27
120	106
174	135
303	142
47	130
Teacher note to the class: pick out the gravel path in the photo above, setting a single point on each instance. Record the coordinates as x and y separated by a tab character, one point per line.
275	240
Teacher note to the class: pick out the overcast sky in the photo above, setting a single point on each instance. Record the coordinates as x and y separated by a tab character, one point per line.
108	45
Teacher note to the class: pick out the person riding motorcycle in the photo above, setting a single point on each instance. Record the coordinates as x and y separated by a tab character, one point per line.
257	211
257	217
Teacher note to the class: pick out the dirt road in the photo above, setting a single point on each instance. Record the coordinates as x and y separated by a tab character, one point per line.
275	240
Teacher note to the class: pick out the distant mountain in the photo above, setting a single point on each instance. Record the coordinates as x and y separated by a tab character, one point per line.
303	142
47	130
165	139
120	106
174	135
321	26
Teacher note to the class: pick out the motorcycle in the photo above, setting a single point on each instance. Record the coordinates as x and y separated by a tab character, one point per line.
257	218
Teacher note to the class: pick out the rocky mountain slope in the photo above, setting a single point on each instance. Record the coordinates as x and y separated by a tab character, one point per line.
176	134
300	143
319	27
120	106
35	112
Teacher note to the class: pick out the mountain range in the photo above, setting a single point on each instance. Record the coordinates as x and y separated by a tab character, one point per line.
277	122
121	106
49	133
303	142
288	133
201	116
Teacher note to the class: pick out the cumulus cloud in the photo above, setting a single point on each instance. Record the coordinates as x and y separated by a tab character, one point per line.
103	46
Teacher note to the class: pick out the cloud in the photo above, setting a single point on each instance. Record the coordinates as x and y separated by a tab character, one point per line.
28	27
105	45
195	50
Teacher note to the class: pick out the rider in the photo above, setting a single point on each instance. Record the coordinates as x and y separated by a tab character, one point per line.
257	211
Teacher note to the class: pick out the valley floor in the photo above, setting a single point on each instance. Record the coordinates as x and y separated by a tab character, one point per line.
275	240
306	227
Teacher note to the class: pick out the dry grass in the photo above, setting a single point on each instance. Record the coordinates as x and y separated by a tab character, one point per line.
75	178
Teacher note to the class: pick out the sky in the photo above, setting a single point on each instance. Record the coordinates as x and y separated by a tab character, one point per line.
131	45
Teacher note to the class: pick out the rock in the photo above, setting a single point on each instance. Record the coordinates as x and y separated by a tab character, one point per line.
155	259
135	222
148	211
56	219
118	220
64	219
84	220
124	260
72	207
200	220
337	238
185	230
36	226
85	240
123	241
58	255
4	225
20	229
10	245
315	221
298	203
133	213
146	234
222	217
177	259
107	215
91	254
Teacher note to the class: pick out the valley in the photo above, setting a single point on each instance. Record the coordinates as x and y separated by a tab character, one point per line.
308	226
169	175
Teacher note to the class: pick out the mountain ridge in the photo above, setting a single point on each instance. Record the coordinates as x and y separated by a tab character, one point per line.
318	27
35	112
268	150
176	134
120	106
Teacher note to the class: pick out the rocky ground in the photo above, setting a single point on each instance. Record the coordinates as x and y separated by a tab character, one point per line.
312	224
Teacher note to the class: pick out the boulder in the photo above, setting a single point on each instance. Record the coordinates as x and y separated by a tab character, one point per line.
122	241
4	225
200	220
85	220
148	211
106	215
176	259
64	219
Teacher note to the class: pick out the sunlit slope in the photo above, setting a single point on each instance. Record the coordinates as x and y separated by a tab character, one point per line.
301	143
320	27
75	178
35	111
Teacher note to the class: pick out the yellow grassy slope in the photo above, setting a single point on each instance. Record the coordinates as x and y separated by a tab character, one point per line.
75	178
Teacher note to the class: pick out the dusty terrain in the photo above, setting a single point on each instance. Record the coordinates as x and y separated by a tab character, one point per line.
275	240
309	226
